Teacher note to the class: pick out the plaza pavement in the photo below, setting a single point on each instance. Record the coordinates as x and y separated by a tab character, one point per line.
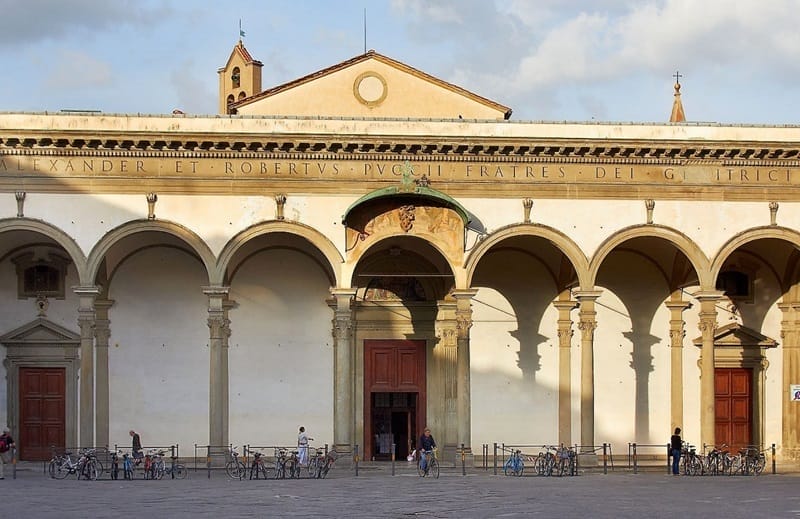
376	493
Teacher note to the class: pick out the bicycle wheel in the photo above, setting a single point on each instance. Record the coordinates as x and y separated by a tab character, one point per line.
420	470
759	464
179	471
324	469
90	471
52	467
235	469
433	468
62	471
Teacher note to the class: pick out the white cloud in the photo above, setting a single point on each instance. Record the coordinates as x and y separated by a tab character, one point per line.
78	71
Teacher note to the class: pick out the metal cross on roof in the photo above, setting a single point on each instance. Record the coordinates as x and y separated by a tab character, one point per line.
677	75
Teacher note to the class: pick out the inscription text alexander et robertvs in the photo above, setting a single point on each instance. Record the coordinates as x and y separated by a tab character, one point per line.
72	166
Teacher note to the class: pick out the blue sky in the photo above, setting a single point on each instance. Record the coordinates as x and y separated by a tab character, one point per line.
605	60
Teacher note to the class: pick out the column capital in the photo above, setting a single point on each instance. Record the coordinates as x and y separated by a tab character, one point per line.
565	304
587	295
216	290
708	295
678	305
87	290
464	293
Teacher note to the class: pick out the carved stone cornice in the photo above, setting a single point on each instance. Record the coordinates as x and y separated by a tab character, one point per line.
496	149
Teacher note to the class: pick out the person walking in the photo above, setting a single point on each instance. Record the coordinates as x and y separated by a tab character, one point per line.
425	448
136	447
6	444
302	447
675	447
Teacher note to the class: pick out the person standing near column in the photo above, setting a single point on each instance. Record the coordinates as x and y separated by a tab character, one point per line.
6	444
136	447
675	446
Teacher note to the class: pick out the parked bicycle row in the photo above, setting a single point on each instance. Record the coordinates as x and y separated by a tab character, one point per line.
91	463
282	463
720	461
550	460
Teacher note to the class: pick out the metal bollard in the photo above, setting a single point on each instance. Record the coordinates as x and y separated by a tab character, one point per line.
393	456
355	457
669	453
14	463
208	460
172	457
494	460
605	458
635	460
773	459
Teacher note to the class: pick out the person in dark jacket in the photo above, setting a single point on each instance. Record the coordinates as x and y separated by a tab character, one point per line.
425	448
675	446
136	447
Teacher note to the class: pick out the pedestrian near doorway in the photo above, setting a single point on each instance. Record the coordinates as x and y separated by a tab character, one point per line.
675	446
302	447
425	448
6	444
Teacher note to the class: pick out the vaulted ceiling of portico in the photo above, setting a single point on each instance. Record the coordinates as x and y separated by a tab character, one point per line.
133	243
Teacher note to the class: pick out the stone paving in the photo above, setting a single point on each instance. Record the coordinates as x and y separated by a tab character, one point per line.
376	493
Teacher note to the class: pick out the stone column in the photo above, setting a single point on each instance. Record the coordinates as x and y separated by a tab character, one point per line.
565	333
463	402
587	324
86	296
677	333
343	369
102	333
707	325
227	305
218	375
791	375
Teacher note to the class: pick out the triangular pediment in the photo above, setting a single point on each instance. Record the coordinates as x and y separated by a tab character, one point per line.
736	335
40	331
372	85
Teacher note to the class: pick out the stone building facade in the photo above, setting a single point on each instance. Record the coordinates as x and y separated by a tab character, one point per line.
368	250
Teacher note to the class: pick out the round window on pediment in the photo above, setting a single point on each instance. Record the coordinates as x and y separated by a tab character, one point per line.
370	89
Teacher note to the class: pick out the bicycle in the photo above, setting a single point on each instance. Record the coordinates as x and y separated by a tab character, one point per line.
692	462
115	465
327	464
515	465
427	464
258	469
234	467
175	470
315	462
127	466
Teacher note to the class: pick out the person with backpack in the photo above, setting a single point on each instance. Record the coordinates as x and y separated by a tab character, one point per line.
6	444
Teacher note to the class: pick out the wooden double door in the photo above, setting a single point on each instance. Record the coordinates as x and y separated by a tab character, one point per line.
42	412
733	404
394	396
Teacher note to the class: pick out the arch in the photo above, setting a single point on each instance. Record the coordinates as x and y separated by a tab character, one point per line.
314	237
560	240
197	245
689	248
63	239
418	192
757	233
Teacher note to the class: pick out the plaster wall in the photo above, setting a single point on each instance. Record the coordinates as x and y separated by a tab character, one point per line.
158	350
280	351
514	353
406	96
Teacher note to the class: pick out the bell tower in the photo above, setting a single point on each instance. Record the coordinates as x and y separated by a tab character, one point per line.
239	78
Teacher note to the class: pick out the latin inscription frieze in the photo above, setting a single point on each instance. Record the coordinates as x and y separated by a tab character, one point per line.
450	171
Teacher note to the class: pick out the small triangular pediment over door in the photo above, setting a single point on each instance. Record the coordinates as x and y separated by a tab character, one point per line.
736	335
40	331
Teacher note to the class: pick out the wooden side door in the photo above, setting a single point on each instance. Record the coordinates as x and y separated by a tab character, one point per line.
42	412
733	401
